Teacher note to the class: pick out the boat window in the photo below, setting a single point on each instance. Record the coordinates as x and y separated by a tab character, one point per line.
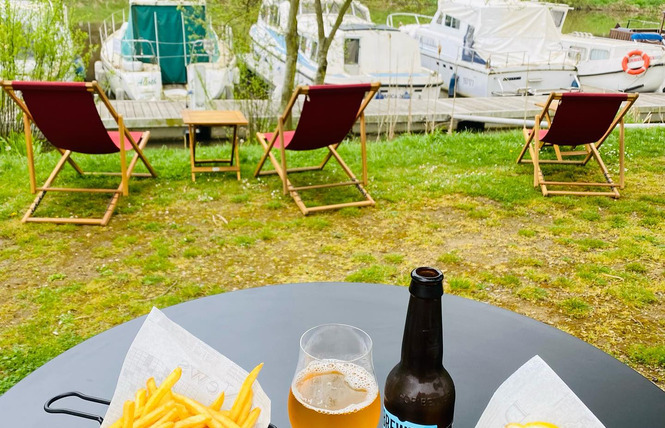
315	50
308	47
273	16
577	53
334	7
598	54
557	16
360	12
351	51
452	22
439	20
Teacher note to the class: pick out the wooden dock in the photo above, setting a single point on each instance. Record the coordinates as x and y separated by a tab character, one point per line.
385	117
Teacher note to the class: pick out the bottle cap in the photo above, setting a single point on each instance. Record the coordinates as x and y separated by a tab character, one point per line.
426	283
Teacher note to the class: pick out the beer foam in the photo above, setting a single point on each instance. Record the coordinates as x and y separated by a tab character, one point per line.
355	376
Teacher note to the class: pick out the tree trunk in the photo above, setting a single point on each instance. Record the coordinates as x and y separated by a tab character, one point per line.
325	42
291	53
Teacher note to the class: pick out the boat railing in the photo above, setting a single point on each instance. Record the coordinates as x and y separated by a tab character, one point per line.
195	50
112	24
507	59
415	17
149	51
639	24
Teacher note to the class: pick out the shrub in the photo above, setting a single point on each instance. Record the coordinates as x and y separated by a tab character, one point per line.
37	43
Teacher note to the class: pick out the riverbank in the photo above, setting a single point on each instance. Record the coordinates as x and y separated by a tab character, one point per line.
98	10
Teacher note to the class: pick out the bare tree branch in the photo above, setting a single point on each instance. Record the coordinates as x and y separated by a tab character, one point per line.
325	42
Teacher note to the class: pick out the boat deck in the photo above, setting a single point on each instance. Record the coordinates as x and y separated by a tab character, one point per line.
384	117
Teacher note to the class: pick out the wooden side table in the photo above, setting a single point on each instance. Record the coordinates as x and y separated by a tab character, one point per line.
231	118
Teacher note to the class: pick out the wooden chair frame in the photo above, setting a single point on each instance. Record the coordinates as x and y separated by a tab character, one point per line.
533	145
126	170
280	168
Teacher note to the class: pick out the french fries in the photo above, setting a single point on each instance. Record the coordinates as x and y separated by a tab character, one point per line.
159	407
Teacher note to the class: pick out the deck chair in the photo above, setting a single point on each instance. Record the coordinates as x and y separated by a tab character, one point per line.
66	114
328	114
580	119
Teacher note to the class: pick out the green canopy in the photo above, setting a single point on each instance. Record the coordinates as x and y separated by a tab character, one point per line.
157	31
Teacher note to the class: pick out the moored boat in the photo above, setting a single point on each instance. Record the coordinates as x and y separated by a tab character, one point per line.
166	49
361	51
640	31
493	47
617	65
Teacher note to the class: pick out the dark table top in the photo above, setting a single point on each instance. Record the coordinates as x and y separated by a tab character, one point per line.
483	345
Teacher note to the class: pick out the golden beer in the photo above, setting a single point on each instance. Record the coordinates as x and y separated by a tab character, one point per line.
334	394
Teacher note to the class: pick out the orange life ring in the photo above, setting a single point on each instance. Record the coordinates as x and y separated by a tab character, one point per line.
629	58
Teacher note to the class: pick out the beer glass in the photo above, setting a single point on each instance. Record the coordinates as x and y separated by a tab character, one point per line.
334	383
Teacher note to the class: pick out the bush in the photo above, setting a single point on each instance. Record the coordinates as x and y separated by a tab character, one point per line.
36	43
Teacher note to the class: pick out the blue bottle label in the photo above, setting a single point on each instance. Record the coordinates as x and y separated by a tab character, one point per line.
392	421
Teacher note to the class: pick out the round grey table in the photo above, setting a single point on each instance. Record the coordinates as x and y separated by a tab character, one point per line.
483	345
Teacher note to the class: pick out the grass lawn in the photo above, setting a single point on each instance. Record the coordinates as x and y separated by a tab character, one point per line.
590	266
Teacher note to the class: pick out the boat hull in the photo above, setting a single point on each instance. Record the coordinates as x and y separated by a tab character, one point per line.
470	80
602	63
618	80
270	66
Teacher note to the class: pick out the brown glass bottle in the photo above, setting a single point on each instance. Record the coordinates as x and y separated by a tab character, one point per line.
419	392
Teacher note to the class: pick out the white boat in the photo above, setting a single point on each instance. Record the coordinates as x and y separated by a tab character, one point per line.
361	51
493	47
166	49
617	65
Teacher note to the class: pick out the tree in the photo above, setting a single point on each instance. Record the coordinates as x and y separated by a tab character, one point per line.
36	43
325	41
291	52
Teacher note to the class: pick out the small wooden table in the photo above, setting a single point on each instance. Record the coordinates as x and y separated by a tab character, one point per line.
231	118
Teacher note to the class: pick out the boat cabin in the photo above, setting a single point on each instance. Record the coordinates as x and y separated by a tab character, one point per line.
172	34
501	32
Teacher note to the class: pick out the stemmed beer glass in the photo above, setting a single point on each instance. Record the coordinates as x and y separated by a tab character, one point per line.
334	383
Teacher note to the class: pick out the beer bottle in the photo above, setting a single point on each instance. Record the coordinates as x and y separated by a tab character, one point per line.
419	392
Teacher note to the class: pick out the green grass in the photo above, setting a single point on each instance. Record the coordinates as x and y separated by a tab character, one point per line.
81	10
650	355
575	307
590	266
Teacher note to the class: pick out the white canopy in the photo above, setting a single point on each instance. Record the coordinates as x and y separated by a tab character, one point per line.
503	26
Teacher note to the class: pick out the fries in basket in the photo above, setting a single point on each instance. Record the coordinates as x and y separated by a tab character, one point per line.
159	407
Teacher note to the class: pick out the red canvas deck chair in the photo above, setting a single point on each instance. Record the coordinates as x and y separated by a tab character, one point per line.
580	119
66	114
328	114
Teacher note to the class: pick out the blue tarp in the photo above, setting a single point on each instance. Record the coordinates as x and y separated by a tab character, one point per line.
647	36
